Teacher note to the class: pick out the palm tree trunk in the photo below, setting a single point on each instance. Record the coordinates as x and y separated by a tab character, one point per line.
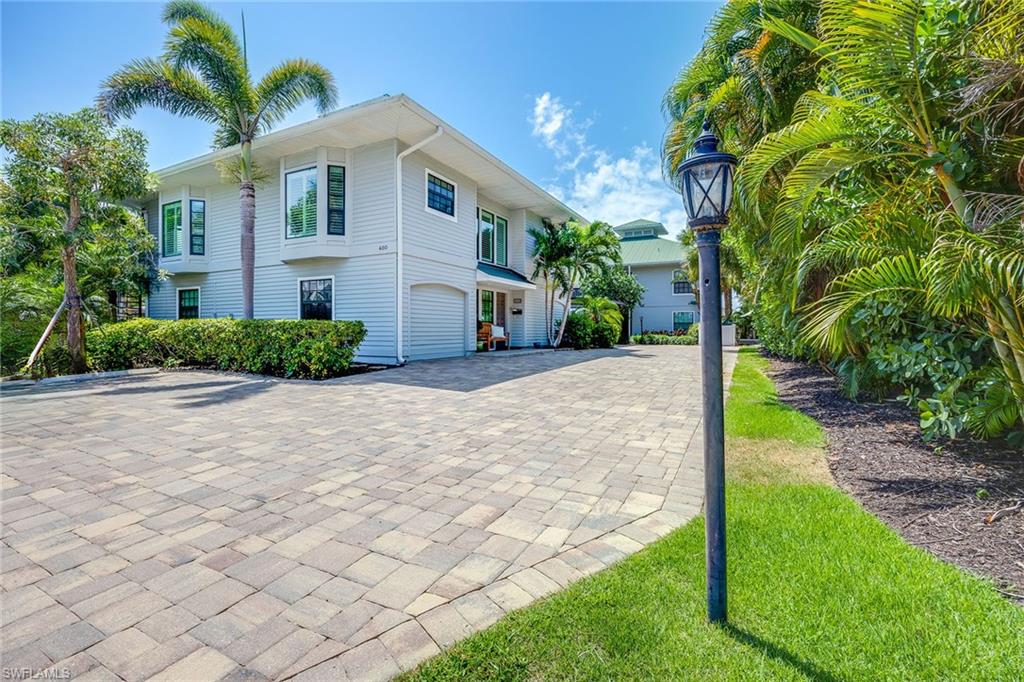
68	254
549	309
727	303
953	192
565	310
247	200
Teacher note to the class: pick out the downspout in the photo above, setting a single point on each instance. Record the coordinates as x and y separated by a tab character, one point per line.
399	293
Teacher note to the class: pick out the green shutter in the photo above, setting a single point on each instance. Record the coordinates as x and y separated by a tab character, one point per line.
501	241
172	229
336	200
197	229
300	203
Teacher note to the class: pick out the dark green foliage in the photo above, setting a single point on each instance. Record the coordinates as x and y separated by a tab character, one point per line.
606	334
303	349
615	283
663	339
579	330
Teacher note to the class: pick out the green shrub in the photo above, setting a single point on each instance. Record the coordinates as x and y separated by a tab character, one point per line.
649	339
579	330
606	334
310	349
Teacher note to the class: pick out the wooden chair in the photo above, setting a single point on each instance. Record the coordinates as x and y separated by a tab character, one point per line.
491	336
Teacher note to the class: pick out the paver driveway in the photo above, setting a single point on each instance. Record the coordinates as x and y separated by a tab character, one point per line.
197	525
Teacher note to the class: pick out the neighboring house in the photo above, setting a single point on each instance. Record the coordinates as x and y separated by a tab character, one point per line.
657	263
419	261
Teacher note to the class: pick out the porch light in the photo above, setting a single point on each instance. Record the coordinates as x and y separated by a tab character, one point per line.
705	180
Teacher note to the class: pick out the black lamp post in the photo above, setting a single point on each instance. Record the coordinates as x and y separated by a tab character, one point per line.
705	181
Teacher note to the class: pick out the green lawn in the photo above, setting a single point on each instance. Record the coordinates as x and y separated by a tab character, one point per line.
819	589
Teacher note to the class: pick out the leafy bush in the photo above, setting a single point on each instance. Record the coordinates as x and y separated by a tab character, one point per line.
579	330
311	349
606	334
649	339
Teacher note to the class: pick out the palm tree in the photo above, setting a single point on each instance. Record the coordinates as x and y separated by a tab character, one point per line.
551	249
592	248
204	74
601	310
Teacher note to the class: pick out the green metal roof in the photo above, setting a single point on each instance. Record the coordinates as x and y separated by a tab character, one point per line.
651	251
634	225
504	273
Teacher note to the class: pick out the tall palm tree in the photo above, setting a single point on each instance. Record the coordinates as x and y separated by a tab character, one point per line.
551	250
204	73
592	248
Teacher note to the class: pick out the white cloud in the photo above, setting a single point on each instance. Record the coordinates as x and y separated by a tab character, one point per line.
598	184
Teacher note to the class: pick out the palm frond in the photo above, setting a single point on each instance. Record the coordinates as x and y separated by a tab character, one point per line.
289	84
828	321
963	264
212	50
775	147
157	83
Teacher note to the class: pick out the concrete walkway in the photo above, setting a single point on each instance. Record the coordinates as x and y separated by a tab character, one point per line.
202	526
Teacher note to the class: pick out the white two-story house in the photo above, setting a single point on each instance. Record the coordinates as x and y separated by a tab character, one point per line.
378	212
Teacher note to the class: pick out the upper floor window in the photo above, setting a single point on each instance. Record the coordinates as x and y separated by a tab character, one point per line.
300	203
316	299
493	231
642	232
336	200
440	195
171	229
197	227
680	285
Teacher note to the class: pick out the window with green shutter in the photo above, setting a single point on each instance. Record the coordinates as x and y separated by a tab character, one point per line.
197	227
486	230
336	200
300	203
172	229
501	241
485	312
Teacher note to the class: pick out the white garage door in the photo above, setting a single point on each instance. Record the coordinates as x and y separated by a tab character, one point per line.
438	322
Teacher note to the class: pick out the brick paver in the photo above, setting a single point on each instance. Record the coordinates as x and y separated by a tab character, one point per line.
195	525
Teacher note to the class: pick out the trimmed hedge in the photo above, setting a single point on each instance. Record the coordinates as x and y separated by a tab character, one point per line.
689	338
306	349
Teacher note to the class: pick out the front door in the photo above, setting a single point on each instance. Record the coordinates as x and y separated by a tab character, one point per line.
491	306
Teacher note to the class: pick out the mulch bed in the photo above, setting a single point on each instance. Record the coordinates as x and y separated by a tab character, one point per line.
937	496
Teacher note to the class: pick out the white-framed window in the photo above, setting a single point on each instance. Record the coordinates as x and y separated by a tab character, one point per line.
300	203
170	229
188	302
680	285
682	319
316	298
442	195
336	199
492	244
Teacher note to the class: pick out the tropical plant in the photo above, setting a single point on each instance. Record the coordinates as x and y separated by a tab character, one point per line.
591	248
600	309
616	283
551	249
204	73
63	177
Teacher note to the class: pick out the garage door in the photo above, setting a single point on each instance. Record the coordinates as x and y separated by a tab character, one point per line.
438	322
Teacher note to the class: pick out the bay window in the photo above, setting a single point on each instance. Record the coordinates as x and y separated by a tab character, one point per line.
171	216
300	203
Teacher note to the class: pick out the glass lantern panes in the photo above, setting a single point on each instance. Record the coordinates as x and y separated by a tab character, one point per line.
707	190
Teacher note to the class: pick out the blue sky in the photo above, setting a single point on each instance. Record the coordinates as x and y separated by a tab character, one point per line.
568	94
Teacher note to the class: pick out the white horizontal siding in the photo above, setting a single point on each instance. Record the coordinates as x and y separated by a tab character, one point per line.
371	194
427	230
